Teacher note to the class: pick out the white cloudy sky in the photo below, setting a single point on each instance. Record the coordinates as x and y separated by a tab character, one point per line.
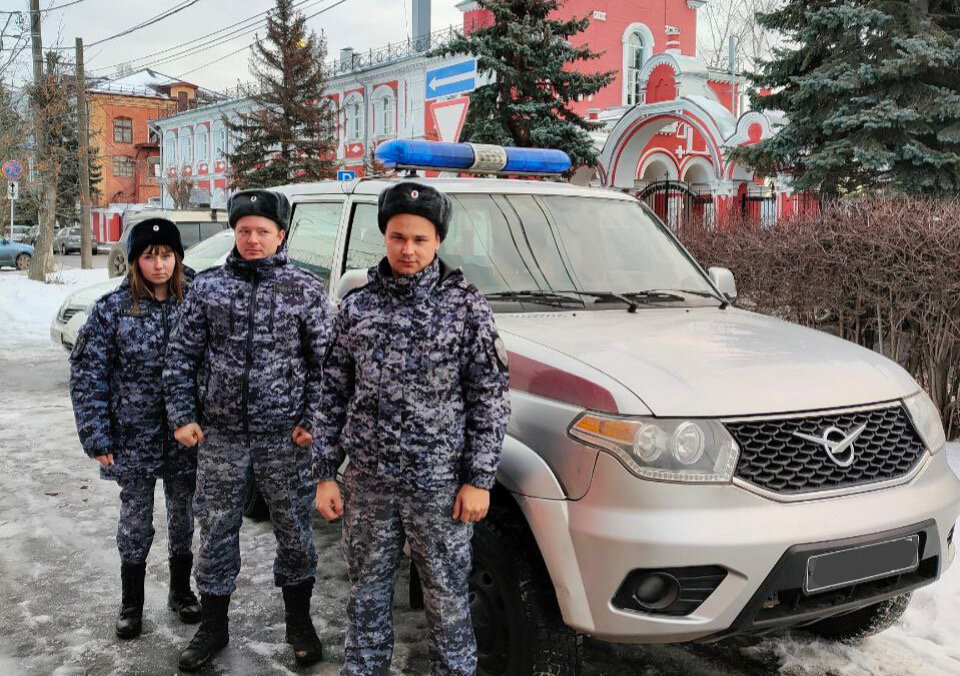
361	24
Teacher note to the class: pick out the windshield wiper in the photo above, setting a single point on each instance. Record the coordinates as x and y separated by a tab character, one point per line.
704	294
607	296
556	298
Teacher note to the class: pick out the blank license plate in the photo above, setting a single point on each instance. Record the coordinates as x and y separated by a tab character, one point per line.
861	564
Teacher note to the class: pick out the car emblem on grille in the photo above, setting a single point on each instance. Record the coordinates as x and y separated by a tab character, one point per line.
836	442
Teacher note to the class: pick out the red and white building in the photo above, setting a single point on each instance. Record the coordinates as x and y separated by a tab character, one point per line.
666	116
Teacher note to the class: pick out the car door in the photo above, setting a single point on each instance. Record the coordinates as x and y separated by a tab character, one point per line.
6	257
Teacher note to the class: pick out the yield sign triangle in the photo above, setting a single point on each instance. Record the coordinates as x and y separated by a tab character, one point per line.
449	116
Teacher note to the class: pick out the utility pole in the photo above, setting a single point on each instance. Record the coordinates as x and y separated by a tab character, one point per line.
43	252
83	139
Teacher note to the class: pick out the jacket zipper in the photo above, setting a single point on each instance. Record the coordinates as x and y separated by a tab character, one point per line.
166	339
249	363
273	308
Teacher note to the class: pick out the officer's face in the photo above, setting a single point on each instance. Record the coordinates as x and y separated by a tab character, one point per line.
257	237
157	264
412	243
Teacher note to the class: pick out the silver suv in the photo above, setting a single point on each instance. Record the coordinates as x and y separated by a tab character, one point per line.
676	469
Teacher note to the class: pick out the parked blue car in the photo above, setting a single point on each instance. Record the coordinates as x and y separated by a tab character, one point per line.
15	254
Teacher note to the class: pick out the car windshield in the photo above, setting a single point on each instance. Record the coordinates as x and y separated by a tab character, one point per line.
208	253
569	251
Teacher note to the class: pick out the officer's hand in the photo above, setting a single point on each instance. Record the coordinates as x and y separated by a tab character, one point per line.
105	460
471	504
329	502
189	435
301	437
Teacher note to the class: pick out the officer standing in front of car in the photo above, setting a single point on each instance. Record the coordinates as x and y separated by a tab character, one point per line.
244	362
415	393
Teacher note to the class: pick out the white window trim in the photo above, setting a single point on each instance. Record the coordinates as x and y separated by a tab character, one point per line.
648	45
382	94
354	98
204	133
169	161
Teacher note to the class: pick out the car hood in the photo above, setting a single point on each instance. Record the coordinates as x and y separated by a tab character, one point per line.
707	362
88	295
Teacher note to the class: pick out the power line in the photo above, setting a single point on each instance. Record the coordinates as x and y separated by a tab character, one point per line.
247	46
51	9
149	22
209	43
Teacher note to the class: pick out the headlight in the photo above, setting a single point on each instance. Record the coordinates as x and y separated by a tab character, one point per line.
926	418
696	451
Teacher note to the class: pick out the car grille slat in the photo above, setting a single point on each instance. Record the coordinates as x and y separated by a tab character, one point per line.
774	459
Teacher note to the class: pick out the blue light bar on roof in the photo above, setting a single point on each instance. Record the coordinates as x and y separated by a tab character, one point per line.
472	157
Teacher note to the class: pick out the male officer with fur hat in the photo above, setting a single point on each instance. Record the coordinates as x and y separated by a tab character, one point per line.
243	386
415	393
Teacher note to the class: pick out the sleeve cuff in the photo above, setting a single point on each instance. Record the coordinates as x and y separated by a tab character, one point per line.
484	480
324	470
182	420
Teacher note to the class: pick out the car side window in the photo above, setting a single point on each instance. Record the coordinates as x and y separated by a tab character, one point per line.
189	233
365	245
313	236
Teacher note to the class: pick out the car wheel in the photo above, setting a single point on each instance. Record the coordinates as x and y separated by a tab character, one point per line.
515	614
864	622
117	263
23	261
254	506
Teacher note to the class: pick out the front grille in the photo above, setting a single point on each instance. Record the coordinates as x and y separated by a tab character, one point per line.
68	314
773	458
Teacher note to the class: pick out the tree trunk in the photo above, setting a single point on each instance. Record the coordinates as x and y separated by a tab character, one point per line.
42	262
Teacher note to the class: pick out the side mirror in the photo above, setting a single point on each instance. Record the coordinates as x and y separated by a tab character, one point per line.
349	280
723	279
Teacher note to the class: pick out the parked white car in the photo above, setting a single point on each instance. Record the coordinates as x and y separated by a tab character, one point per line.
76	307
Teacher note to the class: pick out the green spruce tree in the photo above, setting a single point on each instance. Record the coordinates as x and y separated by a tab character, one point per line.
871	92
290	134
528	57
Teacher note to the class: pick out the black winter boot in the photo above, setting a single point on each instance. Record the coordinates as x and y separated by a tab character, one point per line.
307	648
212	635
181	599
130	618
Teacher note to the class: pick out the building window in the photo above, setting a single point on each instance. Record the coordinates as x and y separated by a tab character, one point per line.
170	150
186	148
353	108
219	141
123	130
122	165
384	112
203	144
635	53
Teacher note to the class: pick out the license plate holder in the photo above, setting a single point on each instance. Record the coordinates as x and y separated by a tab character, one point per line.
847	567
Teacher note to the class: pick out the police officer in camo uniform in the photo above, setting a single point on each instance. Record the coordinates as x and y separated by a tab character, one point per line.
243	385
117	393
415	393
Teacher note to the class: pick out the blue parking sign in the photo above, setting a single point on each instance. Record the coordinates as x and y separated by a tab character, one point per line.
343	175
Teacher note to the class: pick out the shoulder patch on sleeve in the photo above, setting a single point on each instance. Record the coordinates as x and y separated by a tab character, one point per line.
79	346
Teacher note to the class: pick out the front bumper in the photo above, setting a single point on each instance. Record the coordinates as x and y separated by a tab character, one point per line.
590	546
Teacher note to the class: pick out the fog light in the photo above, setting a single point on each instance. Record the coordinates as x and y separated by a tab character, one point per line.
656	591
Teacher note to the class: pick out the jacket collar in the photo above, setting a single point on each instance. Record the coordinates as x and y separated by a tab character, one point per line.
262	267
416	286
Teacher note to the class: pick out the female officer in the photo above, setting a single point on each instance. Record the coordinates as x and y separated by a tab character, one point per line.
117	392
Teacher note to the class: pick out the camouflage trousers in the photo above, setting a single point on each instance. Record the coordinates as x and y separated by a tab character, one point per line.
375	521
135	528
225	464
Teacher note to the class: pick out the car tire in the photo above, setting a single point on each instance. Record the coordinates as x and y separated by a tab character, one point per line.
864	622
254	506
23	261
517	621
117	263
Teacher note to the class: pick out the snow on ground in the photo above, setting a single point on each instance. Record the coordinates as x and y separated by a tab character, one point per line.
27	307
58	562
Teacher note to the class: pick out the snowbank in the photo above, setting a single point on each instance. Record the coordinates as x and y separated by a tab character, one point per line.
27	308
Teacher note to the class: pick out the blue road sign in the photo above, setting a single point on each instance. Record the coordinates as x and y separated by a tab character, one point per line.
454	79
346	175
